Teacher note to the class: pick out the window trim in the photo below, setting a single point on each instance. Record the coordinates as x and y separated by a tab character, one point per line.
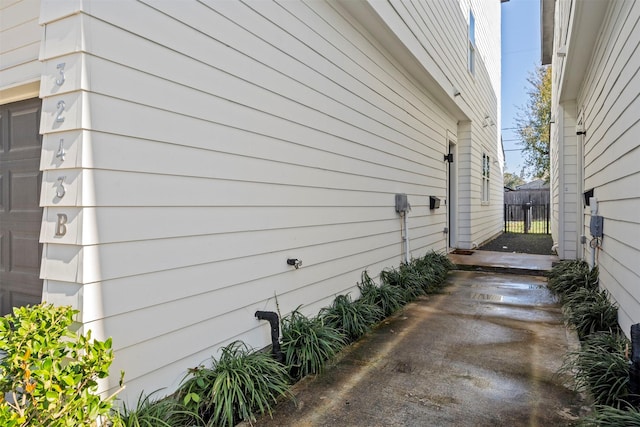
485	193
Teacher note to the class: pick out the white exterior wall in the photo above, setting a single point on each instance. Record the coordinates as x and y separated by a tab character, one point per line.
437	26
606	98
208	142
612	153
20	36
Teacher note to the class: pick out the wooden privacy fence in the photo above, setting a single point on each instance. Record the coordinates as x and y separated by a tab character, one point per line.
526	218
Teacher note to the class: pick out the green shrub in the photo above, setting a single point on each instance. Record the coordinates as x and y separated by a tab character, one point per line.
601	368
239	385
566	277
167	412
405	279
389	298
422	276
308	344
608	416
437	264
352	318
49	374
590	311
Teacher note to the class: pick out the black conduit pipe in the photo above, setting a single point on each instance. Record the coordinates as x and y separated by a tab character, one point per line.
634	366
274	321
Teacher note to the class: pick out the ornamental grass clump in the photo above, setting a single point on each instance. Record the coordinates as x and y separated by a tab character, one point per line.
405	279
389	298
308	344
591	310
608	416
435	268
352	318
48	372
240	385
566	277
166	412
601	368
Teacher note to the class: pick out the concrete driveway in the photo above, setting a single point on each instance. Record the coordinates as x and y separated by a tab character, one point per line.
484	353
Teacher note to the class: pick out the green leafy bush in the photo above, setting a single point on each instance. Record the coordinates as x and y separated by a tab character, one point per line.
591	310
601	368
241	384
167	412
352	318
568	276
308	343
608	416
422	276
404	278
389	298
49	374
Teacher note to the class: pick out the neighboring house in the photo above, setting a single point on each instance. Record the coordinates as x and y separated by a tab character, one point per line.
536	192
536	184
594	50
190	148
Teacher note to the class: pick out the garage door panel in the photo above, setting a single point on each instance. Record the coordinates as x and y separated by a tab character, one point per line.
24	123
25	189
4	260
2	202
20	213
25	253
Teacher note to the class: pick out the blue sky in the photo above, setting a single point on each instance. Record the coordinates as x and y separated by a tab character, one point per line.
520	56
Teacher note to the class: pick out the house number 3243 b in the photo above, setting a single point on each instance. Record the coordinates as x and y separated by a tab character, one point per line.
61	225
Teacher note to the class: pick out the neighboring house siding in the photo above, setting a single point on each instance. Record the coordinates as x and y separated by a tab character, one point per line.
437	26
612	152
20	36
597	82
209	142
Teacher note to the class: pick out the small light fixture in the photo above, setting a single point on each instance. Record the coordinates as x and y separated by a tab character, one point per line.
448	157
487	121
562	51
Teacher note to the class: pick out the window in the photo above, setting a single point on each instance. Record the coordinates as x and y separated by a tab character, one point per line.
485	178
472	43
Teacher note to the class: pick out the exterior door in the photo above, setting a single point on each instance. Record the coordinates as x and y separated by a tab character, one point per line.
452	198
20	213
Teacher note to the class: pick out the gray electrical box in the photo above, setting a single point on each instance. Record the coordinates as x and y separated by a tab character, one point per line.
402	203
596	225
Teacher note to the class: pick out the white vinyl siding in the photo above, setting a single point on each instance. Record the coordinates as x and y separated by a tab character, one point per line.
209	142
444	33
20	36
612	153
609	104
472	44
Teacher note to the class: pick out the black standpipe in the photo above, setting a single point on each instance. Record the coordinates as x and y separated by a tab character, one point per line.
634	366
274	321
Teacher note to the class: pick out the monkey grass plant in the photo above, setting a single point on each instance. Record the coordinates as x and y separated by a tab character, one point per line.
601	368
389	298
608	416
308	344
238	386
352	318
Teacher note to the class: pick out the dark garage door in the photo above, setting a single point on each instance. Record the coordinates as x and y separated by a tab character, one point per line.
20	214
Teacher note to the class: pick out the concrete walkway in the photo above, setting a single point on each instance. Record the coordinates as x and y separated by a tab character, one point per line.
504	262
484	353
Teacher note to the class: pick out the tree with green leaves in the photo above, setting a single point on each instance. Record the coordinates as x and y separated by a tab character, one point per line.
512	180
533	122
